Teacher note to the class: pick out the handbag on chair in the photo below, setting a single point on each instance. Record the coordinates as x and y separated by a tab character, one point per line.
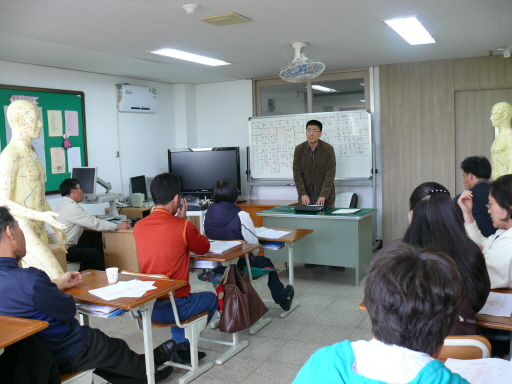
242	305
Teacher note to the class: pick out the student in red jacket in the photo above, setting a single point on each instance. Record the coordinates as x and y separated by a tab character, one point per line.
164	240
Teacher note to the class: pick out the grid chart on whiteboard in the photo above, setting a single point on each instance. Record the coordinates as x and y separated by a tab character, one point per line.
273	142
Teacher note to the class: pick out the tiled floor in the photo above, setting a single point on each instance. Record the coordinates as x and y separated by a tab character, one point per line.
328	313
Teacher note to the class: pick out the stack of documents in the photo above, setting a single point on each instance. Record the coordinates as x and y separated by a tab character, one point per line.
347	210
497	304
132	288
482	371
270	233
98	310
222	246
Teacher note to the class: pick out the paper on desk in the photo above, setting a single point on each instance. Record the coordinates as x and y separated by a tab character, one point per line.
270	233
222	246
132	288
347	210
497	304
482	371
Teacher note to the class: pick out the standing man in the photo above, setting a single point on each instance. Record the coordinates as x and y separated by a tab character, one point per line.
314	168
164	240
75	218
476	171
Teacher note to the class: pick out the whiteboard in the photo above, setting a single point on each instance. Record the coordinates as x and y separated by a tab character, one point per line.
273	141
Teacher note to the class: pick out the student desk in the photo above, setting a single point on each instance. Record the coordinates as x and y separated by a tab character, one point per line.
226	258
289	241
344	240
496	322
13	329
97	279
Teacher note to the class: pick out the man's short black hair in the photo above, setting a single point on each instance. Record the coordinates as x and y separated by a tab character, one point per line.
314	122
413	297
67	185
225	190
478	166
6	219
164	188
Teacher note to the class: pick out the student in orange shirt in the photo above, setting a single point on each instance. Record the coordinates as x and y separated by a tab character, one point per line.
164	240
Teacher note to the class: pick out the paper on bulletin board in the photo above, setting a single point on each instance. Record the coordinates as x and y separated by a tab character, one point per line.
58	160
38	143
54	123
71	123
74	159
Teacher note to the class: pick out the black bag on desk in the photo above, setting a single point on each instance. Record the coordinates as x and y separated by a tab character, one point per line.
242	305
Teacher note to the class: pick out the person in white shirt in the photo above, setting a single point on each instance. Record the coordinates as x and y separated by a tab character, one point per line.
76	219
497	248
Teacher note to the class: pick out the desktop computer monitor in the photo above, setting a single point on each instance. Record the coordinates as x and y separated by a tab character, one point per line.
87	178
138	185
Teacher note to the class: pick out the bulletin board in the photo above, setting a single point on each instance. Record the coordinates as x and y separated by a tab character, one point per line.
62	112
273	141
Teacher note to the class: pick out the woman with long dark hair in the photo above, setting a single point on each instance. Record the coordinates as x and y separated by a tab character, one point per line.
497	248
434	222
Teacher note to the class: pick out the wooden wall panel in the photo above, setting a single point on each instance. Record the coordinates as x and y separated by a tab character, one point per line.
474	131
422	138
437	125
401	133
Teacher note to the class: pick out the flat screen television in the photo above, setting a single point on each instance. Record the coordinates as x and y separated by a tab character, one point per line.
200	168
87	178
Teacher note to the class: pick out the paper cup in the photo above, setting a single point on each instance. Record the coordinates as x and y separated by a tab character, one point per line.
112	274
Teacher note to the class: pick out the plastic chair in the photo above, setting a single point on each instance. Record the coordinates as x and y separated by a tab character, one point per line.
193	328
465	347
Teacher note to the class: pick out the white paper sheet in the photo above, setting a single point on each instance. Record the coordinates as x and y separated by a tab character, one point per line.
270	233
222	246
58	160
71	118
74	159
132	288
347	210
482	371
54	123
497	304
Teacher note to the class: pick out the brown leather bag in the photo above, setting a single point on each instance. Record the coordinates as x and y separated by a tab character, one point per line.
242	305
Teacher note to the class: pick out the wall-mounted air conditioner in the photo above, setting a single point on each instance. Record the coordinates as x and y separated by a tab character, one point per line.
137	99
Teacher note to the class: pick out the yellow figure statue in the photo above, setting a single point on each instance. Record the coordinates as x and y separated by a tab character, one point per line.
501	150
22	187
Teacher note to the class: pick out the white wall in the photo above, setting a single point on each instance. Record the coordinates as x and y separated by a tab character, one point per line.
223	111
142	139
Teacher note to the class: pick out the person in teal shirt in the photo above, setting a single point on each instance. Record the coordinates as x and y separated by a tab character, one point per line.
413	298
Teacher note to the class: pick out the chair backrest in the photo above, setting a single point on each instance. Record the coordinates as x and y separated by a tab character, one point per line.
346	200
465	347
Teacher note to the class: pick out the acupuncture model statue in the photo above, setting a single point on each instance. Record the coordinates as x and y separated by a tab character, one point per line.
501	150
22	187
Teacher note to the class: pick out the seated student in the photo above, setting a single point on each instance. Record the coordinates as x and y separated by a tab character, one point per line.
413	298
75	218
476	171
226	221
164	240
497	248
29	293
434	222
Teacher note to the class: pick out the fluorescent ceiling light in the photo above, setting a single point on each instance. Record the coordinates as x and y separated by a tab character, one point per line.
411	30
323	89
189	57
362	101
